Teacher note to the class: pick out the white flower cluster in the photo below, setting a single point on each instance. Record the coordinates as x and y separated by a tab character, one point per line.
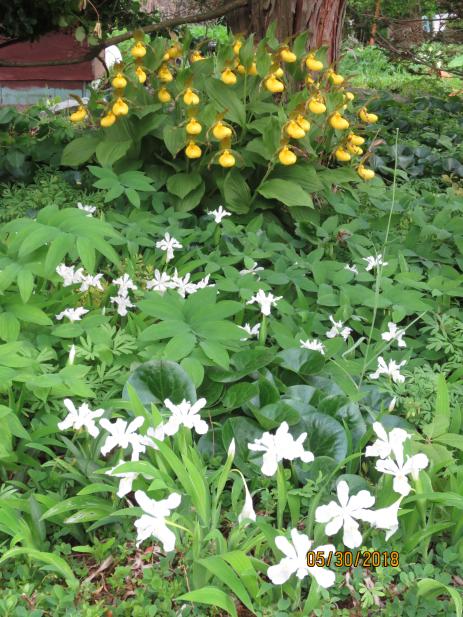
348	510
122	300
124	435
162	281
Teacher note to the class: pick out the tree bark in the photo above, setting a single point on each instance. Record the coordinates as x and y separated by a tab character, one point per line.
323	19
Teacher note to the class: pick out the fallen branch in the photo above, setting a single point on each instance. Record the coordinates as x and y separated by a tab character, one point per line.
95	50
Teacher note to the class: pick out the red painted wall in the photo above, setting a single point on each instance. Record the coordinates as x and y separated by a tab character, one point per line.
53	46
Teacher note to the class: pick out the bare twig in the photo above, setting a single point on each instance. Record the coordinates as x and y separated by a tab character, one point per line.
95	50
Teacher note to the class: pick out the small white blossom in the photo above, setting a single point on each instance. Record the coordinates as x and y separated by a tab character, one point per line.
345	514
91	281
89	209
314	345
186	414
153	521
81	417
183	285
265	301
352	268
386	518
168	244
253	270
247	513
204	283
251	331
401	468
122	435
124	283
280	446
153	433
160	282
232	448
72	354
219	214
374	262
295	560
382	447
392	370
123	303
394	334
73	314
338	329
69	275
126	479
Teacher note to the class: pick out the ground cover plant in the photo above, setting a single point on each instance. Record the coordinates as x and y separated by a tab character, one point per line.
231	355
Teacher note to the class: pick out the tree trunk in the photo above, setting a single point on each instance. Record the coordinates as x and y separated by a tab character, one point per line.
323	19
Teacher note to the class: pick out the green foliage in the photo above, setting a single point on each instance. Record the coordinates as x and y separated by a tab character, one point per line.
188	337
146	150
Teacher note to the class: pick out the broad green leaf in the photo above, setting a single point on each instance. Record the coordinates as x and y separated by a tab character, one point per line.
212	596
108	152
227	101
220	569
26	284
288	193
183	183
325	435
80	150
236	192
441	421
158	380
179	346
50	559
429	585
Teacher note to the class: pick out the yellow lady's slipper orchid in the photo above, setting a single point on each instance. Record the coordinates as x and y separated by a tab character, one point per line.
78	115
313	64
335	78
226	159
364	173
193	127
196	56
294	130
338	122
274	85
238	44
141	75
228	77
221	131
193	151
342	155
353	149
190	97
288	56
366	117
252	70
108	120
357	140
164	95
138	50
303	122
120	108
119	82
287	156
164	74
175	51
316	105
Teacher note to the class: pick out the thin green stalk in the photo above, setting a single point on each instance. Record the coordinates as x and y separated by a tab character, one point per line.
379	270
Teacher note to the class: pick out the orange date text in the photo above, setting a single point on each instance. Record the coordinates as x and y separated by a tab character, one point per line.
349	559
